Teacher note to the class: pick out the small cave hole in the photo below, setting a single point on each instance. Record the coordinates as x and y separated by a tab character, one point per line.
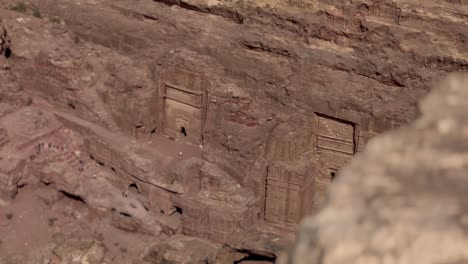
51	184
125	214
183	131
100	163
153	131
140	126
7	53
113	169
333	175
91	157
73	197
178	210
133	188
71	105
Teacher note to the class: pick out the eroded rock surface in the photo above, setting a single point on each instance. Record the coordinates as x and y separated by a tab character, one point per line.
195	250
404	199
218	120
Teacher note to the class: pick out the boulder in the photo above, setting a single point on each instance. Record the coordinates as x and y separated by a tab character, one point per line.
181	249
404	200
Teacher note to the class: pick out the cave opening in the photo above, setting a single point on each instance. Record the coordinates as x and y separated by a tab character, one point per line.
7	53
72	106
333	175
183	131
73	197
125	214
254	257
133	188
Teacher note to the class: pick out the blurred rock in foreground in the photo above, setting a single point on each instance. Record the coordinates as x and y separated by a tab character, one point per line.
405	199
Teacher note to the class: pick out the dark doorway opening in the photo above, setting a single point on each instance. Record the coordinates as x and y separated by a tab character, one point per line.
333	175
134	188
183	131
178	210
7	53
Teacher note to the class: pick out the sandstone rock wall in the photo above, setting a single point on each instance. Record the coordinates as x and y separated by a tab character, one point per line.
276	95
284	60
403	200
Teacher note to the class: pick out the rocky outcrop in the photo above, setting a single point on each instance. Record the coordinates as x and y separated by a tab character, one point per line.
268	59
183	250
269	98
404	199
78	249
64	249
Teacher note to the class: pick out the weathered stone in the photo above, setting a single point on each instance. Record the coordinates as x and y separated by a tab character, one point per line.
183	250
224	120
403	200
70	249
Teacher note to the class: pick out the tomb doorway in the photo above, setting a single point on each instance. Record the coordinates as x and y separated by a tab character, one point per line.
335	143
288	196
281	203
183	112
335	148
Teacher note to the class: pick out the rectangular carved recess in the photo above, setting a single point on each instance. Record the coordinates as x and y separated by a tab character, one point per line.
290	194
184	105
286	196
335	137
335	147
191	98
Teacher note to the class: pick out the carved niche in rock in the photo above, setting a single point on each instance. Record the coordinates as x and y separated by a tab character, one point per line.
11	173
184	102
3	136
303	160
335	147
288	193
4	42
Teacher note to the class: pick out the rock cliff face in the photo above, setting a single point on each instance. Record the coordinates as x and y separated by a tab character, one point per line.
224	120
403	200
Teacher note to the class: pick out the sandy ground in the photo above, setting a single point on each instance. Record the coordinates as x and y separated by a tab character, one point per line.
29	223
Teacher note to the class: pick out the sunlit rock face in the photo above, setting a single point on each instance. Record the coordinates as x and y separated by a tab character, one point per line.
403	200
223	121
